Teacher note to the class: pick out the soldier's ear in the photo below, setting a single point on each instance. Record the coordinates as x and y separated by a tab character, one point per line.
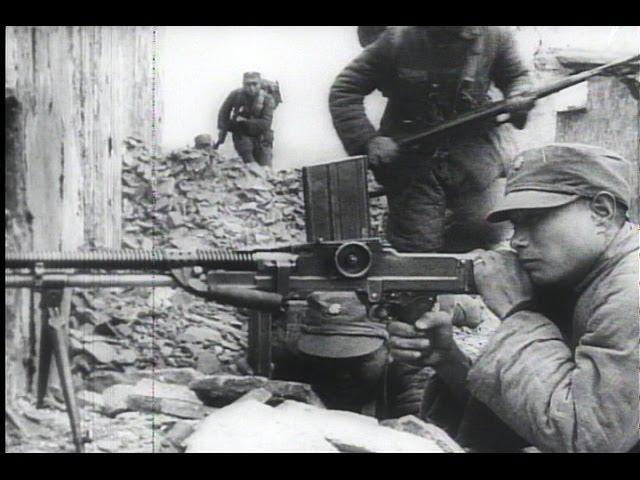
604	208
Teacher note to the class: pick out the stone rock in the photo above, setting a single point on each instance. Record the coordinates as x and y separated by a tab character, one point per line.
107	353
178	376
100	380
179	432
108	445
151	388
252	427
200	335
220	390
167	406
352	433
91	400
414	425
115	399
149	395
261	395
208	363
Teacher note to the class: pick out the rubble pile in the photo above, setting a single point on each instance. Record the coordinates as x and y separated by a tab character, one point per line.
172	411
194	199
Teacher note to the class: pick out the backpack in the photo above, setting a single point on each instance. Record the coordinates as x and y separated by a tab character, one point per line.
273	89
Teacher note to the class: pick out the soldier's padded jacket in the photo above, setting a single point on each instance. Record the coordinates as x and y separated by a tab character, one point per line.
404	64
258	110
576	394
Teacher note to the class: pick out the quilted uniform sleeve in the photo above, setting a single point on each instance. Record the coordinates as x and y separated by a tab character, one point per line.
564	401
224	114
510	72
346	99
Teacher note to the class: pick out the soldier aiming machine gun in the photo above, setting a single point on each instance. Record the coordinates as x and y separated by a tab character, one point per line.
387	282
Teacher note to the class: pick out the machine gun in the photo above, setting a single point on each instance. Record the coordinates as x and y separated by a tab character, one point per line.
390	284
261	279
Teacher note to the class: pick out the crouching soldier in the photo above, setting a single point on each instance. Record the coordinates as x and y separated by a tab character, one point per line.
248	113
561	373
339	352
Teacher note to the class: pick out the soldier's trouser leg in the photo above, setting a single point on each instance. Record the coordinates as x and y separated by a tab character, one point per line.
417	214
263	154
466	227
244	146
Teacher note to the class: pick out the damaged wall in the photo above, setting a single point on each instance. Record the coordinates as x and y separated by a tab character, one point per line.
74	95
609	118
82	91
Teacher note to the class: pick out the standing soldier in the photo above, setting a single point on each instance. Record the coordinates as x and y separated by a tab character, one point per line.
247	113
430	75
440	192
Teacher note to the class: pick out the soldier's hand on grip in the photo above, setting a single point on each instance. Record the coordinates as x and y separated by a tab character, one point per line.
501	281
381	151
427	343
520	105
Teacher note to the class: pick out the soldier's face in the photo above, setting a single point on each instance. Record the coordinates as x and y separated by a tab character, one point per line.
251	87
347	383
557	246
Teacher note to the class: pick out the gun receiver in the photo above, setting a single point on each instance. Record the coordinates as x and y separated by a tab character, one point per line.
258	279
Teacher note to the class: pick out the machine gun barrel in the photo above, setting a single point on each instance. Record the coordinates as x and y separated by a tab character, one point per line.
134	259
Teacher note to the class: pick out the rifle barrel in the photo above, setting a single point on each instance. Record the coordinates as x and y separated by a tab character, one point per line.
502	106
580	77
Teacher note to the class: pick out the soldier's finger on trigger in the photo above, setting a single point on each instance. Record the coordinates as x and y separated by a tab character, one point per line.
401	330
410	343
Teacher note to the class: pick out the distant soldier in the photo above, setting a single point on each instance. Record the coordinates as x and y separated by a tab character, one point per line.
247	113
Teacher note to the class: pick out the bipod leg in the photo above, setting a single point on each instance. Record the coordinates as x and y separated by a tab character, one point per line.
48	299
58	325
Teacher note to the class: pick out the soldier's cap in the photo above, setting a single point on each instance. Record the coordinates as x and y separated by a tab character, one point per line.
560	173
251	76
337	328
